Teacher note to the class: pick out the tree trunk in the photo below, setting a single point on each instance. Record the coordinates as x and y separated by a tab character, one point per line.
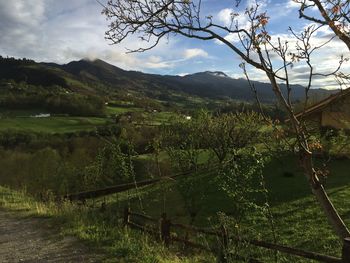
322	197
342	36
306	160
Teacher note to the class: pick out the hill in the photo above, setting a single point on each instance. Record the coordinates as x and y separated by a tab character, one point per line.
99	77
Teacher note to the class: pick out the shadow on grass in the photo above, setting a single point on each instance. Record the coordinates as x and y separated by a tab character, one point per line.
284	188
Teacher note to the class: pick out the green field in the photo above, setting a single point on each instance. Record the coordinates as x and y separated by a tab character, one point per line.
283	187
113	110
51	124
20	120
298	218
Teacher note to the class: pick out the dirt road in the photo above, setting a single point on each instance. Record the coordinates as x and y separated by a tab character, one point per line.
33	240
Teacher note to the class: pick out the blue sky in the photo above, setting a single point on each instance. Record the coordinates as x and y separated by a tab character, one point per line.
65	30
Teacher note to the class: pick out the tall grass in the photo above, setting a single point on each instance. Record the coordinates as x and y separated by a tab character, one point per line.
101	229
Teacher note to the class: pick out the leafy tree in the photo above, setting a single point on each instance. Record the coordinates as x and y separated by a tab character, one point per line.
111	167
224	135
213	142
242	180
182	143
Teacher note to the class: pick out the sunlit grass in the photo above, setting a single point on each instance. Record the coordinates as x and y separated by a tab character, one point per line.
102	230
52	124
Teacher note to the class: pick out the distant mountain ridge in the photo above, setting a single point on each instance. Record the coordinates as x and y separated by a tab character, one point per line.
78	75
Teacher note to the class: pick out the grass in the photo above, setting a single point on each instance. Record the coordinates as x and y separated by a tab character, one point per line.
151	118
113	110
299	221
162	117
98	229
286	181
52	124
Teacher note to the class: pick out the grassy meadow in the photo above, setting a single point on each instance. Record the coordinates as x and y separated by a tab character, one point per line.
298	220
52	124
22	120
58	165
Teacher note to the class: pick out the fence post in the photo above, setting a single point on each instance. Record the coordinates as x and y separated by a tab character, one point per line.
346	250
165	229
126	217
223	244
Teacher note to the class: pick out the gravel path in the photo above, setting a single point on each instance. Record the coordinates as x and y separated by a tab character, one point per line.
33	240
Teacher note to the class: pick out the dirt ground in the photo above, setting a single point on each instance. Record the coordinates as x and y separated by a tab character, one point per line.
32	239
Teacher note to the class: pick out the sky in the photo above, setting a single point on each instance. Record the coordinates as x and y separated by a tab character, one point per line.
66	30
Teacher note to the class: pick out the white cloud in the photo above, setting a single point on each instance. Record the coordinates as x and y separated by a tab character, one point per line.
230	17
324	61
22	12
225	16
182	74
61	31
120	59
262	4
19	21
294	5
155	62
194	52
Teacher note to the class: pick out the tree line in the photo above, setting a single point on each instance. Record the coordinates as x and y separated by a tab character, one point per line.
62	103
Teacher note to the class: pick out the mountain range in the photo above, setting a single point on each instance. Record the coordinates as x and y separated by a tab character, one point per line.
98	76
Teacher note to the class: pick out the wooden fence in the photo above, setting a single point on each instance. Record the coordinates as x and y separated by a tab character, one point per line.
167	231
81	196
162	228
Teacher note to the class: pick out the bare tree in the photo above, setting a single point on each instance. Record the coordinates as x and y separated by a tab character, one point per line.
153	20
332	13
335	15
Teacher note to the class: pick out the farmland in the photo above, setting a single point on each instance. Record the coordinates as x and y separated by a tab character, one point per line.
52	124
296	215
235	167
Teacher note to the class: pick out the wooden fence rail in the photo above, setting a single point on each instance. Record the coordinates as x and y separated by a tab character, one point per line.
117	188
163	230
294	251
81	196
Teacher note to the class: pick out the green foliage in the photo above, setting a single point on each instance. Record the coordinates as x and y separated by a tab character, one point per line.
223	136
336	143
240	178
62	103
273	111
193	190
226	134
111	167
181	141
225	139
48	163
26	70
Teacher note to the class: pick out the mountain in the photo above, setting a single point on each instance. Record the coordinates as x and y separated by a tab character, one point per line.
97	75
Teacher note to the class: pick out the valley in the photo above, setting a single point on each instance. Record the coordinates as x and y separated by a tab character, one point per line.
88	125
